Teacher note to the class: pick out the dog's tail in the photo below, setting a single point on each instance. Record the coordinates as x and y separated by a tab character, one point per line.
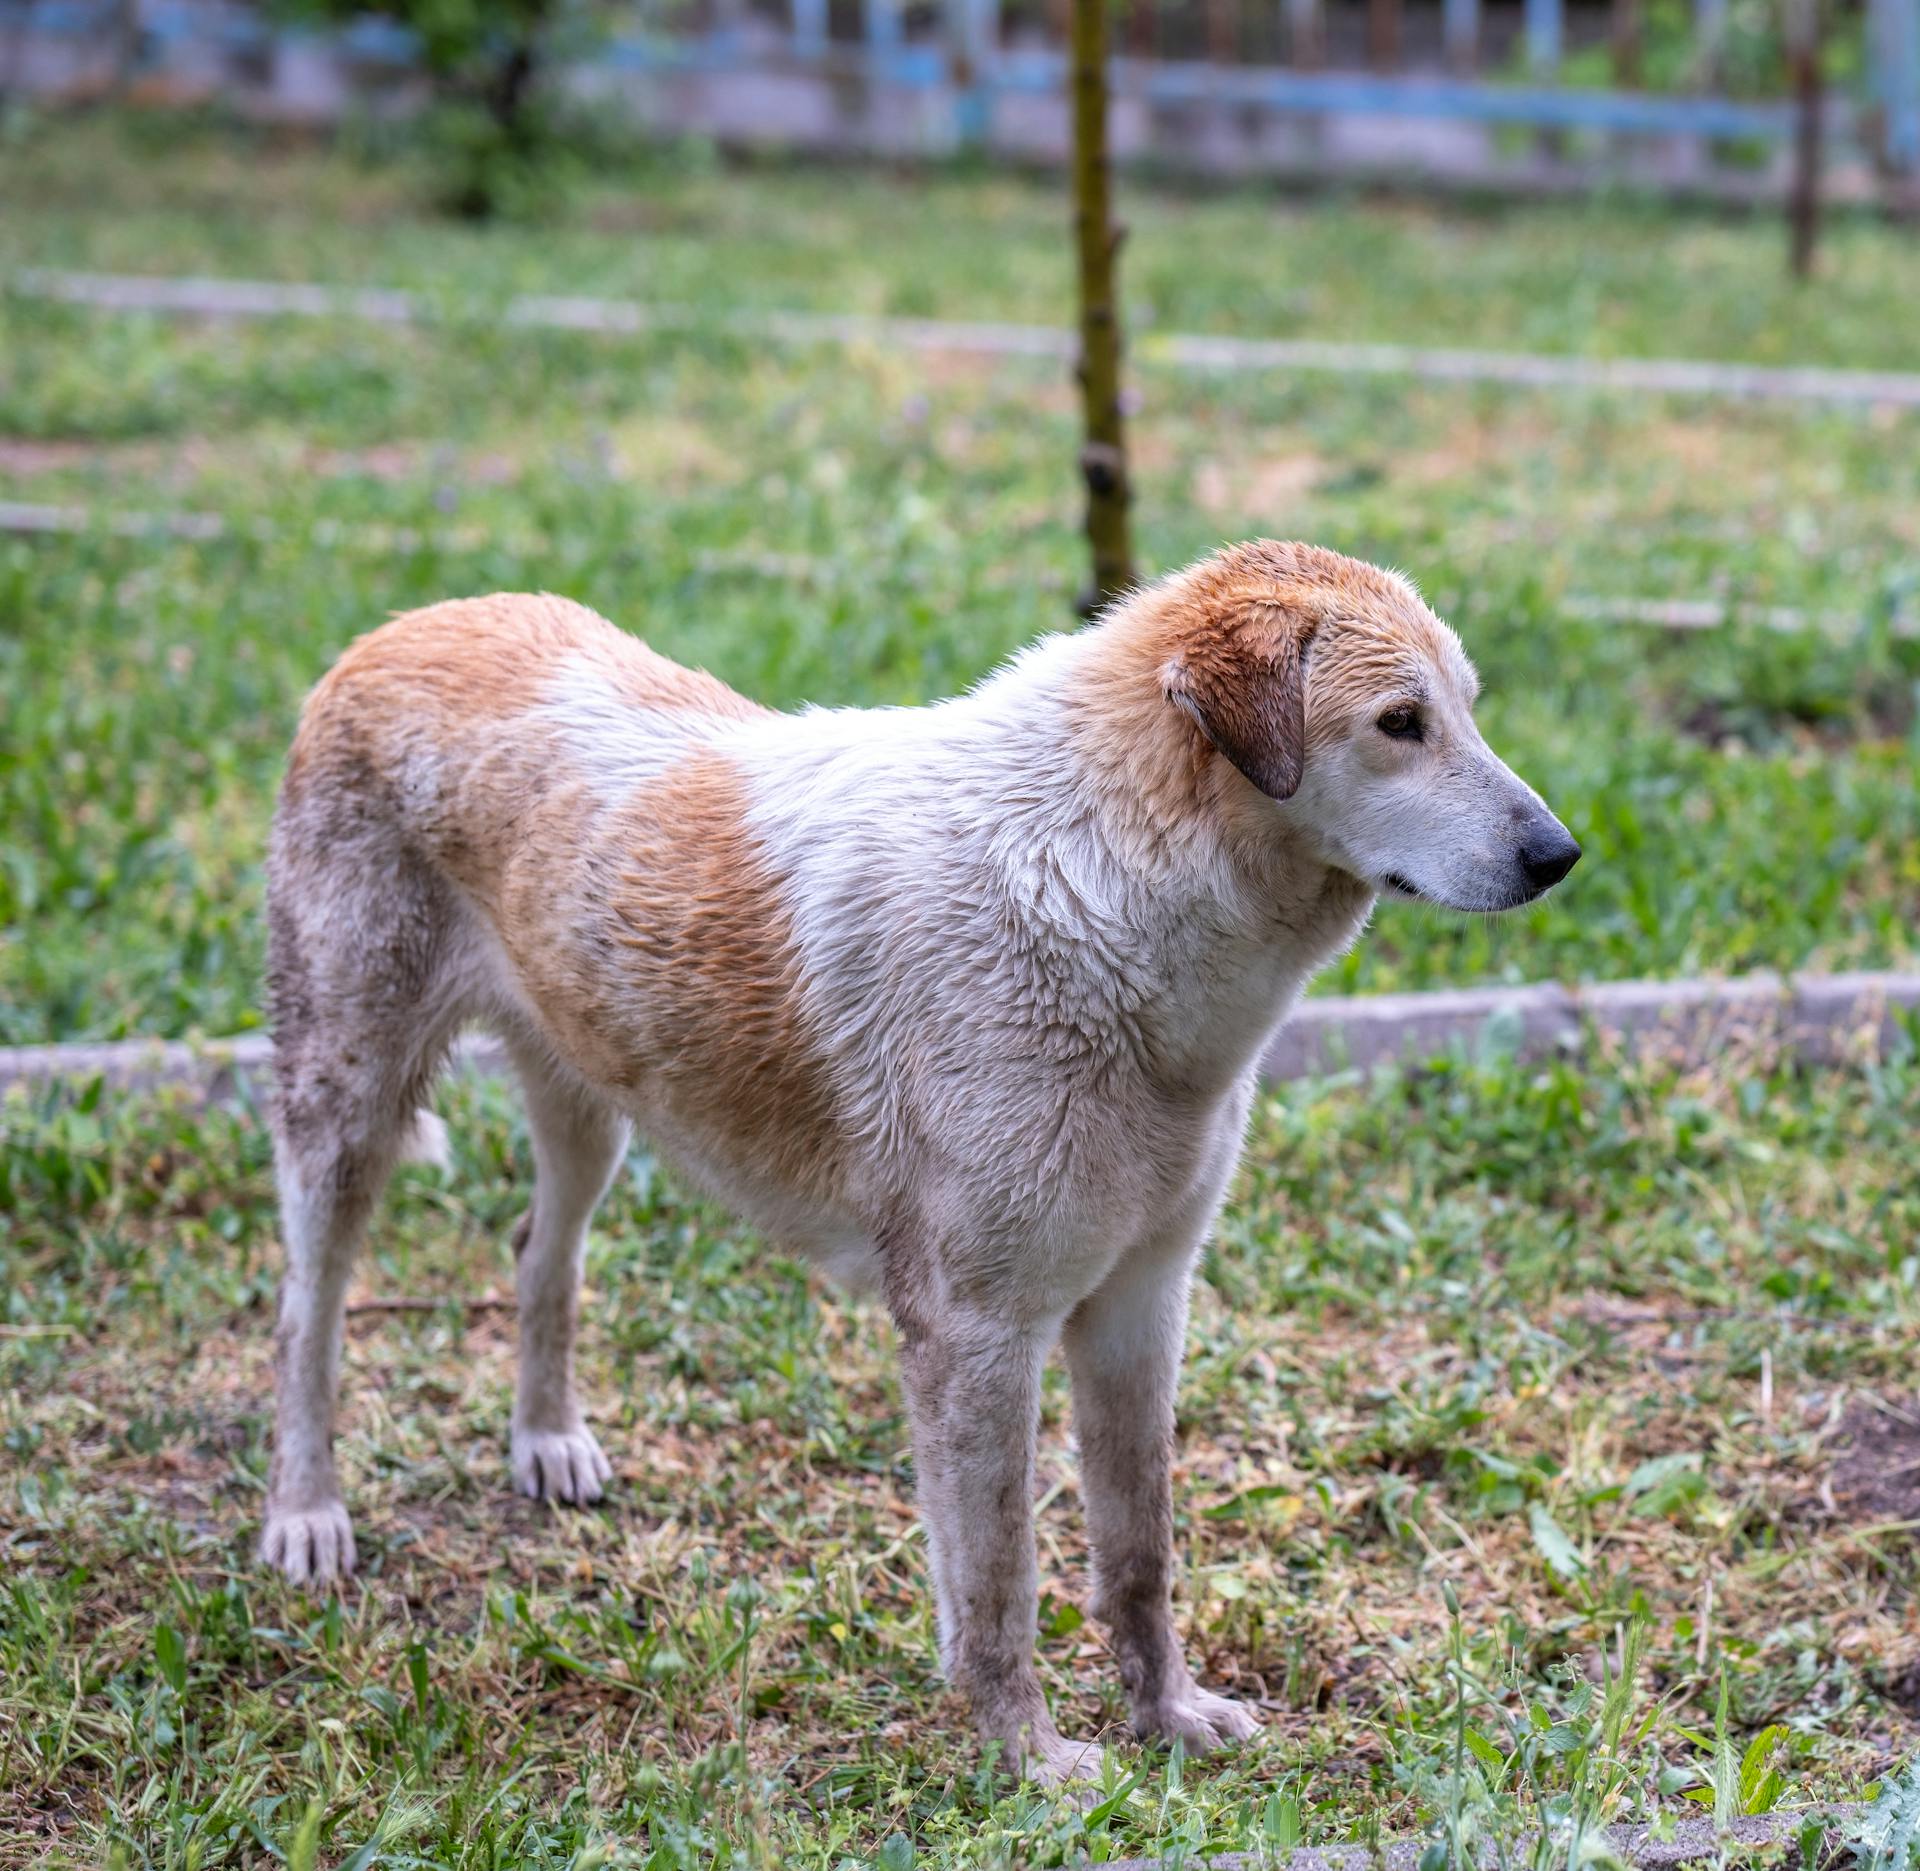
425	1141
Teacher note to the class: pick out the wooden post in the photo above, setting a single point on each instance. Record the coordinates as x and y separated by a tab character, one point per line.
1223	31
1803	203
126	47
1306	25
1383	34
1103	454
1143	28
1627	42
1460	22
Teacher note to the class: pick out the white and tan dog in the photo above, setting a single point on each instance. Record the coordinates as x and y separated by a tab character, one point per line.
964	1002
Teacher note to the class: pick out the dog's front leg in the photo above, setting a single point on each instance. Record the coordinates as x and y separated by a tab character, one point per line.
1123	1346
973	1392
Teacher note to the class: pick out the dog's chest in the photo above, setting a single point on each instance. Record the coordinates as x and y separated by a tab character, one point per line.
1225	981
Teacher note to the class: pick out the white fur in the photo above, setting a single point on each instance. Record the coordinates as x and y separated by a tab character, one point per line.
611	743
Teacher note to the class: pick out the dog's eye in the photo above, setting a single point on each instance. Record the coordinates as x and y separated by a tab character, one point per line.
1402	724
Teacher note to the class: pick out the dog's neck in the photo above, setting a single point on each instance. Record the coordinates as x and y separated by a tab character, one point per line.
1219	882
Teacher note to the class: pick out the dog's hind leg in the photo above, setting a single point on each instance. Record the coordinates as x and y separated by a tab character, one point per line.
364	997
328	1186
578	1141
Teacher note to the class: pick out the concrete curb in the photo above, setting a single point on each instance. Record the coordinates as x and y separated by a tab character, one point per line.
1821	1018
223	1071
1716	613
1664	376
1824	1019
32	519
1693	1841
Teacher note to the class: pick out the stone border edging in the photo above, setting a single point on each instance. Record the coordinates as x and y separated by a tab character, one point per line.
1824	1019
1693	1841
1821	1018
252	298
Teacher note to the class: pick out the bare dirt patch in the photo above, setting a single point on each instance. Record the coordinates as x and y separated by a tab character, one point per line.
1876	1467
1884	713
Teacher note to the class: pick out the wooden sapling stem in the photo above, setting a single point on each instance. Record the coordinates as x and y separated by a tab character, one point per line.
1103	453
1803	203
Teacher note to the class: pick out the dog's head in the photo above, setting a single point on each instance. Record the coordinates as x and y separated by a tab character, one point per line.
1330	686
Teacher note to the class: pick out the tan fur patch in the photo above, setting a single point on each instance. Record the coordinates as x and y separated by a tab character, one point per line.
660	959
479	657
443	695
708	946
655	950
1212	660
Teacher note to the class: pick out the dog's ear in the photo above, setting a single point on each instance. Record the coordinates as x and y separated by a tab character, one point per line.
1246	691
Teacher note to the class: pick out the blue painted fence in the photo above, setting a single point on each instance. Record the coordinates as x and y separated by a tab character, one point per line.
979	61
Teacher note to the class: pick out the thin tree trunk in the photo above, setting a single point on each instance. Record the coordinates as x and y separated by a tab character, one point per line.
507	95
1223	31
1628	44
1803	204
1103	455
1383	34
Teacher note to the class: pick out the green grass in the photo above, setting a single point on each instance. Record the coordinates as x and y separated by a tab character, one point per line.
1576	1345
1610	277
1587	1349
867	526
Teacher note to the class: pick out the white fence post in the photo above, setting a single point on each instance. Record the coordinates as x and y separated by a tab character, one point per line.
1710	34
1544	34
973	33
1895	38
1460	25
810	27
881	22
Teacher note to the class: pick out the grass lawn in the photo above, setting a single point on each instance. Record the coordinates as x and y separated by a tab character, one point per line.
1610	1353
1623	1357
857	526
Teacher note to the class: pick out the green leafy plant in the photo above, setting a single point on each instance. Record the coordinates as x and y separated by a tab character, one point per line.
1737	1782
1886	1837
492	131
1533	1787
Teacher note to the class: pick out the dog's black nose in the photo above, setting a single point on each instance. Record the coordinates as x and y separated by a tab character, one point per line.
1548	855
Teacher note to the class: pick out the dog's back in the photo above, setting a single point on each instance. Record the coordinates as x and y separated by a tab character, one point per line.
448	726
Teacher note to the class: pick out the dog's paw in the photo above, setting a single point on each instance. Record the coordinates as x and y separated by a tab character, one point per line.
1052	1761
1199	1720
1046	1758
1070	1768
559	1465
312	1547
